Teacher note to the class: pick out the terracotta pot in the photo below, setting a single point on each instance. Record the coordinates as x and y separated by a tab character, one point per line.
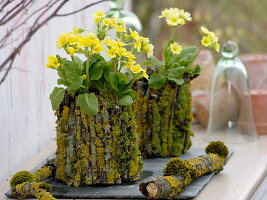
259	100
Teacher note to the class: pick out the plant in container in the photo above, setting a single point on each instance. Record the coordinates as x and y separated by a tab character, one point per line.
163	120
96	138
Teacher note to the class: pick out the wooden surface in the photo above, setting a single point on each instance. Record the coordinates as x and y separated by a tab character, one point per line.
238	181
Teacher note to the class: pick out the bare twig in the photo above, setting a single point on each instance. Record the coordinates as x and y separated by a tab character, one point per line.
42	16
79	10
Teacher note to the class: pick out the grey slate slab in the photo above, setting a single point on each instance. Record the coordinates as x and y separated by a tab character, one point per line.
152	168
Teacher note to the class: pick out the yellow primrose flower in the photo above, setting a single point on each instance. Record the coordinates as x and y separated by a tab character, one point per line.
85	42
165	13
108	21
206	41
204	30
138	45
149	49
217	47
144	74
71	51
122	52
120	28
77	30
136	69
185	15
62	40
72	38
130	56
52	62
99	14
134	34
84	77
97	48
129	65
210	39
120	21
112	52
97	20
176	48
174	21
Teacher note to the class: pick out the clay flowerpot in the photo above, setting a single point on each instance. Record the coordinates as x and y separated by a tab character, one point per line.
259	100
163	120
100	149
256	65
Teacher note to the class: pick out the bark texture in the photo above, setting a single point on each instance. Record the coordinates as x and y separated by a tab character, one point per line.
101	149
163	119
179	173
38	190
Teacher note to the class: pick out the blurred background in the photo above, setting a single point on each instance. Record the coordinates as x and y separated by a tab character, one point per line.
243	21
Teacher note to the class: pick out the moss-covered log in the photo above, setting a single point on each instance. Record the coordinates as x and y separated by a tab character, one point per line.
39	190
163	119
25	184
179	173
100	149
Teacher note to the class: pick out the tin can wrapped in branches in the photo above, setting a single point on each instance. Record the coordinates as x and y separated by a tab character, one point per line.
164	117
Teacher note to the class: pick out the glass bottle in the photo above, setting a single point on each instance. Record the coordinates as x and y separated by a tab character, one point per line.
230	118
130	19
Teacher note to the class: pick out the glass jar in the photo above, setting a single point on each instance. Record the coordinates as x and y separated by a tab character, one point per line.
230	116
130	19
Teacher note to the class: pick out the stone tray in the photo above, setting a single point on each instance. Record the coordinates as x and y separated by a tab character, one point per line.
152	169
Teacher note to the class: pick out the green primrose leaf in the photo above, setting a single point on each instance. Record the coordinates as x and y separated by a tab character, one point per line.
61	81
178	81
130	92
156	80
123	79
91	60
71	70
126	100
156	61
148	63
88	103
76	84
176	72
114	80
96	71
56	97
78	62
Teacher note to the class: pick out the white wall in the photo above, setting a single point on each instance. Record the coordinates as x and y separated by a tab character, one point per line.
27	122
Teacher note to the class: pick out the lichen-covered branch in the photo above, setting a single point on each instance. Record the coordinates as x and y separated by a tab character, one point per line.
179	173
39	190
24	184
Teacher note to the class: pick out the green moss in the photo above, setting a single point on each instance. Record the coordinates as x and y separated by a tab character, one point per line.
164	121
156	146
20	177
179	167
219	148
42	174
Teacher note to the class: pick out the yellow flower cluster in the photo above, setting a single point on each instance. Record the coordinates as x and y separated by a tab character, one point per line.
210	39
176	48
84	42
175	16
52	62
73	41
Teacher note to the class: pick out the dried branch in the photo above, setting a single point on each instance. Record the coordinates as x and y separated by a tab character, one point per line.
71	13
39	17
